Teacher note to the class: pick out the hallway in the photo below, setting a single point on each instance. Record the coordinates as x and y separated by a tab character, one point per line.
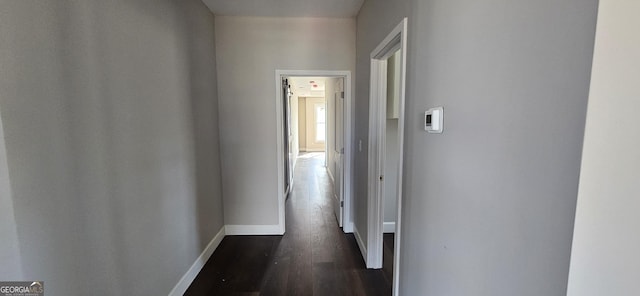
314	257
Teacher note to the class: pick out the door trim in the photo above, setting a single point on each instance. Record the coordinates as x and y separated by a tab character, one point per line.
395	40
348	145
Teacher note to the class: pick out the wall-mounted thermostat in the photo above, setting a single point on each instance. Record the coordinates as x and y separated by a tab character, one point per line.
433	120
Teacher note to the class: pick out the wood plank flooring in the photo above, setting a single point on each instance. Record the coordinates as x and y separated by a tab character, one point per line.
387	255
314	257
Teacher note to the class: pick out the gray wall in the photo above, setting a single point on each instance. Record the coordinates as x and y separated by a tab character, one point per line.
392	146
488	204
605	258
11	268
106	105
390	197
249	50
375	20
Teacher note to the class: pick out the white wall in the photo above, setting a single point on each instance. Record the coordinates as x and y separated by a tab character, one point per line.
110	124
489	204
605	257
249	50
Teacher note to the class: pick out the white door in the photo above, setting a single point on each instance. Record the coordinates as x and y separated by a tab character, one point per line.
338	190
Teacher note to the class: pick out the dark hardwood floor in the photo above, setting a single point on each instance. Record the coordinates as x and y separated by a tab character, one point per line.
314	257
387	255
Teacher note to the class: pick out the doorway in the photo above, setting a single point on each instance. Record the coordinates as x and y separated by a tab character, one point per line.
386	142
312	124
330	130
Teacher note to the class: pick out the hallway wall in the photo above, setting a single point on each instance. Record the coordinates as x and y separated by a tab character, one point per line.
110	123
302	123
489	203
605	258
249	50
11	267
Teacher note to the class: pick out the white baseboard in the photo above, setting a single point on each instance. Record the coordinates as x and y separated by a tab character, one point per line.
313	150
361	245
254	230
347	227
389	227
186	280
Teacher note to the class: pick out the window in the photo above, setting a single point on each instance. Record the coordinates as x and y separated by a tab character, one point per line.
320	123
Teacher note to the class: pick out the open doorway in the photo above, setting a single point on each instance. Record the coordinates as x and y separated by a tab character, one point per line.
304	123
317	105
391	162
316	117
386	139
310	99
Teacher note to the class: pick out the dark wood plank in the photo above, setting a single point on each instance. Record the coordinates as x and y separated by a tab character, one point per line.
387	256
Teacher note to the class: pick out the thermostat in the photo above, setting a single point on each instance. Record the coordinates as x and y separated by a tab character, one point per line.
433	120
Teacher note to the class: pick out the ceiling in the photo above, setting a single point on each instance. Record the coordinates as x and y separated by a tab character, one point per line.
285	8
307	86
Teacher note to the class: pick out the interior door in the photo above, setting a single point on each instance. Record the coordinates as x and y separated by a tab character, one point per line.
288	155
338	190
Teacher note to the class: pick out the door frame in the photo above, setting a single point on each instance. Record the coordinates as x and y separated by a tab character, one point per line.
287	99
394	41
348	145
